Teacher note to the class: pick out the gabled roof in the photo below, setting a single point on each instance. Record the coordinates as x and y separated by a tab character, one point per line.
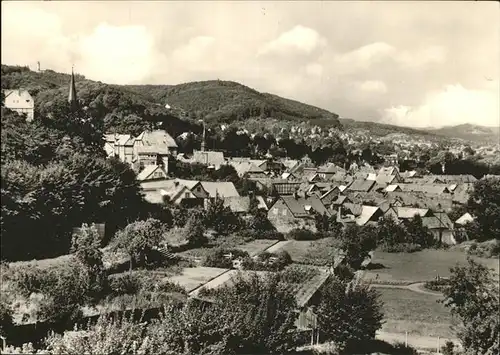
392	188
237	203
209	157
299	205
157	138
332	189
223	188
464	219
456	178
330	168
361	185
429	189
124	140
354	208
382	179
149	170
444	219
433	222
309	288
340	200
389	170
366	214
410	212
244	167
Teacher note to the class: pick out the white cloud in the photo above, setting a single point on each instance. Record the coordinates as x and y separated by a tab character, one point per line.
118	55
454	105
194	51
429	55
373	86
314	69
299	39
365	57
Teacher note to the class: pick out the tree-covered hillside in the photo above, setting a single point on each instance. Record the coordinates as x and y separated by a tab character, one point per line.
131	109
227	101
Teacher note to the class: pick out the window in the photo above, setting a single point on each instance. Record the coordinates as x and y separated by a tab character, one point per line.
275	211
186	195
284	212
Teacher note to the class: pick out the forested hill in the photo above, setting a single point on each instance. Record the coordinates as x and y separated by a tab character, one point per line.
381	129
130	109
228	101
470	132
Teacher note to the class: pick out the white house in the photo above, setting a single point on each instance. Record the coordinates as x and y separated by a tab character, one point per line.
20	101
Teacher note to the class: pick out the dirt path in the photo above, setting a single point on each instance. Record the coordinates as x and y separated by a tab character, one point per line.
416	287
277	247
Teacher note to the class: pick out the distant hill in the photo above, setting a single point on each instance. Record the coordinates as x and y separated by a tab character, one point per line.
216	101
469	132
381	129
228	101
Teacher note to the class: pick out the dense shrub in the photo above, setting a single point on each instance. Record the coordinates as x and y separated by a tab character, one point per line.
124	284
268	261
489	249
403	349
303	234
437	285
5	318
401	248
251	234
216	258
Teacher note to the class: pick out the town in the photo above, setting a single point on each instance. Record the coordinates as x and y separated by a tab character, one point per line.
210	218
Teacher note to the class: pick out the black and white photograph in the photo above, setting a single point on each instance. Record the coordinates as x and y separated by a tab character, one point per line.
250	177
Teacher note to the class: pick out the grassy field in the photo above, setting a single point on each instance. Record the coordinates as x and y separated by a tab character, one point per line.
230	242
314	252
191	278
419	266
416	313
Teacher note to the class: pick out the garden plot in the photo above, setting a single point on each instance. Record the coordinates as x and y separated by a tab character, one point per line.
193	277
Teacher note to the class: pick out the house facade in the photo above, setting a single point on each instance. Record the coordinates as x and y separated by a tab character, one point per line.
290	212
21	102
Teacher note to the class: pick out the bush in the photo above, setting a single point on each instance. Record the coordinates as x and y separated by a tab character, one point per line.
489	249
402	248
402	349
448	348
5	319
268	261
124	284
216	258
437	285
303	234
250	234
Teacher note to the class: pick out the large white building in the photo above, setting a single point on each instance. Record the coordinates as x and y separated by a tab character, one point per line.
20	101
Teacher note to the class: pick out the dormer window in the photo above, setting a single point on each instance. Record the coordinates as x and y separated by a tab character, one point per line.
307	208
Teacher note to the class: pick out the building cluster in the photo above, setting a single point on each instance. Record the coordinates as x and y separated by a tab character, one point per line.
291	191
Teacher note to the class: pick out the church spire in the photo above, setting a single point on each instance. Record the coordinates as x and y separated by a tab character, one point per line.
72	99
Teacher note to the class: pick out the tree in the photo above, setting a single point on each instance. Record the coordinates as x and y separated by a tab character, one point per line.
357	243
195	231
220	217
258	313
86	247
139	239
416	233
473	296
484	204
389	233
348	312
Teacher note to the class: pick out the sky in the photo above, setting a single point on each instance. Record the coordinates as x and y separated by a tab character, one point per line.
419	64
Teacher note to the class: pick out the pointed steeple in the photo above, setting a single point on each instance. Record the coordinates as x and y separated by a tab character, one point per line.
72	99
204	136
